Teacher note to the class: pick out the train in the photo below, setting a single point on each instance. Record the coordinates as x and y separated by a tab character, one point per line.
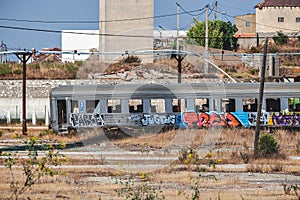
182	105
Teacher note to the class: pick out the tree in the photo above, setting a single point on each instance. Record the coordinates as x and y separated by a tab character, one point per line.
221	34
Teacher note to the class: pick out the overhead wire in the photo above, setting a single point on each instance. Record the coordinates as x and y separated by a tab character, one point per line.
266	25
99	21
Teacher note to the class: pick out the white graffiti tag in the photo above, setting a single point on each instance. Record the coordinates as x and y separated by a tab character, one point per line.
158	119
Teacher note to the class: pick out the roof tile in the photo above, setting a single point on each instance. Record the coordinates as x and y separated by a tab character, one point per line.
282	3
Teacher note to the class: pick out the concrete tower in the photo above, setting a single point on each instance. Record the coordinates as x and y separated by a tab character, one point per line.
122	27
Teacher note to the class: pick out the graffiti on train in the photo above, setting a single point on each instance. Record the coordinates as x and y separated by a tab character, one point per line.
286	119
154	119
283	118
214	119
86	119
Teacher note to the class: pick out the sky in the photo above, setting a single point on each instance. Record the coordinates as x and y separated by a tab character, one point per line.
88	10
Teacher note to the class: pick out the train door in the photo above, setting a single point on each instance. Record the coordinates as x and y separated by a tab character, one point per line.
61	112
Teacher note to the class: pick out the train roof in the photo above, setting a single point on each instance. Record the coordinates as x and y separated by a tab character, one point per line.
178	90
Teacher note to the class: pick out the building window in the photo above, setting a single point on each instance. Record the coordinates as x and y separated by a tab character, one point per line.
280	19
298	19
248	23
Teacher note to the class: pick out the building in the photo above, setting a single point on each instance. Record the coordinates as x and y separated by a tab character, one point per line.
271	16
166	38
278	15
125	26
78	40
246	33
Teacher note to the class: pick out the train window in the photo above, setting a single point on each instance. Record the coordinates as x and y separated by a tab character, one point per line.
294	104
91	105
273	105
74	106
114	106
228	105
179	105
250	105
175	106
201	105
158	106
135	105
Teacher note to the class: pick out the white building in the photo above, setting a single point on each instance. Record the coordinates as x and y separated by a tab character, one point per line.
278	15
78	40
85	40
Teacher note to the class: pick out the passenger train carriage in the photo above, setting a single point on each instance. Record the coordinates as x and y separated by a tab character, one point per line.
197	105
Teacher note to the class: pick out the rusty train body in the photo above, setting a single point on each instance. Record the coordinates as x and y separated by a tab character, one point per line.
197	105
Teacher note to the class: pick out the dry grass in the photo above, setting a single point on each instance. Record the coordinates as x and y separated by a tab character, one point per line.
97	184
176	181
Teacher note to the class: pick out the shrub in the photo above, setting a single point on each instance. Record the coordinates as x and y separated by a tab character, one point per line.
5	69
268	145
131	59
281	38
34	167
254	49
139	191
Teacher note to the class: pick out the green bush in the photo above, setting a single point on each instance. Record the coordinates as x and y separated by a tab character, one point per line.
281	38
268	145
254	49
5	69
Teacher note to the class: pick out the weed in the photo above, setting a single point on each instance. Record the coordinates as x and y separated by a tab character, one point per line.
139	191
34	167
255	168
298	147
188	156
245	157
276	168
288	188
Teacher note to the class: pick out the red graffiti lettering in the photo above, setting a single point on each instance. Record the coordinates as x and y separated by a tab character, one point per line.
190	118
217	120
203	120
231	120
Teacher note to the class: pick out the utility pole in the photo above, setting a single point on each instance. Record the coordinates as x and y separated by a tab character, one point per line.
206	41
3	48
24	57
179	59
260	99
178	25
215	10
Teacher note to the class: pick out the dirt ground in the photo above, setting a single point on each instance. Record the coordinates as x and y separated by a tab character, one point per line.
219	165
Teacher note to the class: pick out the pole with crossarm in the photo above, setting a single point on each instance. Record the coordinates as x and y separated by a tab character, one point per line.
24	57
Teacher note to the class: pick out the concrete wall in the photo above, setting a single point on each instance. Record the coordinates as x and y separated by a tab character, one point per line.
267	19
113	33
37	98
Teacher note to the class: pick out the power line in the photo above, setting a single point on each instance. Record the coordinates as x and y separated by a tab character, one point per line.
98	34
266	25
233	7
99	21
189	13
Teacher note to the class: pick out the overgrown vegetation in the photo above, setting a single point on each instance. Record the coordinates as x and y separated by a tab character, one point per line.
281	38
139	191
34	166
44	70
268	145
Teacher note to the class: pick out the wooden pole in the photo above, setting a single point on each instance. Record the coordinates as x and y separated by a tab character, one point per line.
260	99
24	57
